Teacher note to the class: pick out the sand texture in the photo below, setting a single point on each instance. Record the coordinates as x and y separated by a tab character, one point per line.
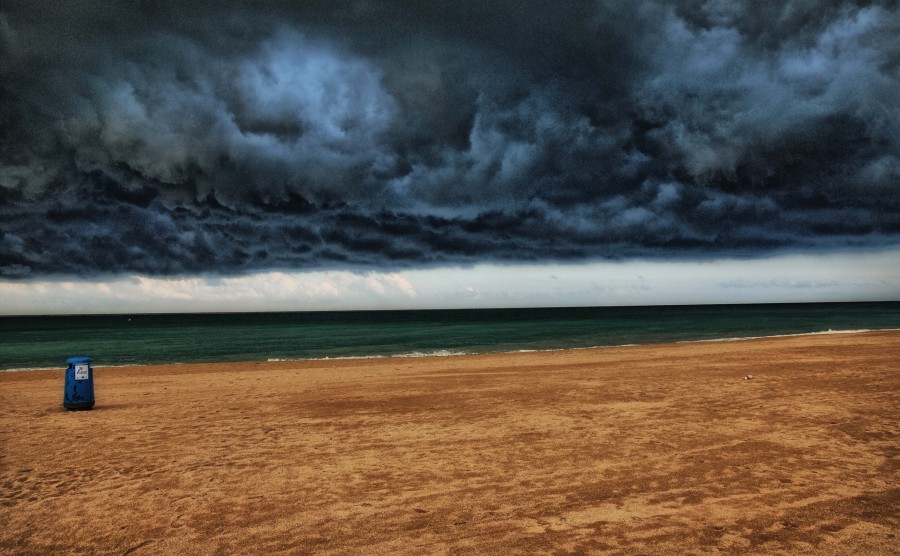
635	450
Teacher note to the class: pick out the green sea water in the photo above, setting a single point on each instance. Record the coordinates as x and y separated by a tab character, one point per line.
47	341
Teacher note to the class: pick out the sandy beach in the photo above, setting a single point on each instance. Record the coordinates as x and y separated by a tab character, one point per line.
660	449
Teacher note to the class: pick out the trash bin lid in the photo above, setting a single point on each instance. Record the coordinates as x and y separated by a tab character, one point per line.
79	360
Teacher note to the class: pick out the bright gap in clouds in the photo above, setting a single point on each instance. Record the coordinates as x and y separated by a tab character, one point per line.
865	276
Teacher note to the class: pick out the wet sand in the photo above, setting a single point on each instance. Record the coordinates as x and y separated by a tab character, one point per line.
635	450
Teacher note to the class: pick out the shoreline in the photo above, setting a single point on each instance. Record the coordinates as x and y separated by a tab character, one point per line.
451	353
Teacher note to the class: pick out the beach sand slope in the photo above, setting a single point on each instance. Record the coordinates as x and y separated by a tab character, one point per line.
665	449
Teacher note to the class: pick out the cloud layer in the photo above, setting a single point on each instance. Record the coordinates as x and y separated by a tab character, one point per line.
856	276
168	140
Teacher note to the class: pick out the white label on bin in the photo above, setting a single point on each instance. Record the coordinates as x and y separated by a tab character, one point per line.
81	372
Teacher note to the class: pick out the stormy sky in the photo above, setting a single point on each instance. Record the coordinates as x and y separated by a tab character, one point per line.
169	139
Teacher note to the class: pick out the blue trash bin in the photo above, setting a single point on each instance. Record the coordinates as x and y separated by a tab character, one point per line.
79	390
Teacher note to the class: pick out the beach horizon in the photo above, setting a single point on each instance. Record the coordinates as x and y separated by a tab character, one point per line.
782	444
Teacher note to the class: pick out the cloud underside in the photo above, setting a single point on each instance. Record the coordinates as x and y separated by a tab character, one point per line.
234	139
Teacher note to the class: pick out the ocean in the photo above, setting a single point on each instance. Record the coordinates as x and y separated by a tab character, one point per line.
34	342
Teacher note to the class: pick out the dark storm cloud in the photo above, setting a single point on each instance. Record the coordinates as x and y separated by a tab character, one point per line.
149	137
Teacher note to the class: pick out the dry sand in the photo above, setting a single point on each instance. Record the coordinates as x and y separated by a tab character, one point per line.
635	450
